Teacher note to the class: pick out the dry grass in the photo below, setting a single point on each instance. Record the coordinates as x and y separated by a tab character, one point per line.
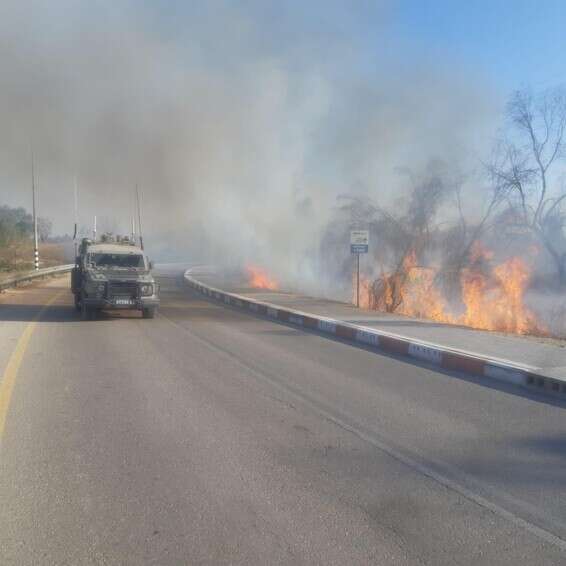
18	259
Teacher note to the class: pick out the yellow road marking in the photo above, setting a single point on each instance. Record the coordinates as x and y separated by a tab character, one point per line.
11	371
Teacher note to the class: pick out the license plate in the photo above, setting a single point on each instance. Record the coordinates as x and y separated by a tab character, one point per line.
123	302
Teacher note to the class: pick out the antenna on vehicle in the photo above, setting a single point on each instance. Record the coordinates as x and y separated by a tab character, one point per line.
76	209
139	216
133	229
76	217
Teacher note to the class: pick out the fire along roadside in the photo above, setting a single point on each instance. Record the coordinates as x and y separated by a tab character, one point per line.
434	354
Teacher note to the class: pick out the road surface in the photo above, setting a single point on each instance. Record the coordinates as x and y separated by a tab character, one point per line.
207	436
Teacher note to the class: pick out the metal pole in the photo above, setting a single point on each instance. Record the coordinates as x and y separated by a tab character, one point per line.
76	232
76	209
358	283
35	238
139	217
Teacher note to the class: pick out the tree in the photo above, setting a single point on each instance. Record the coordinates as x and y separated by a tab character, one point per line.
404	235
523	168
44	228
458	240
15	224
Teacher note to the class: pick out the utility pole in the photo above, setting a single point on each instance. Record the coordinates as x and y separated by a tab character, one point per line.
35	238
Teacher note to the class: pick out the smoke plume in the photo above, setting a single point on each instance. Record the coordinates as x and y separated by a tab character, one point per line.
240	122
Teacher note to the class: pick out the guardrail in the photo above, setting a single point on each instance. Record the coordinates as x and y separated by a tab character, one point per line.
40	274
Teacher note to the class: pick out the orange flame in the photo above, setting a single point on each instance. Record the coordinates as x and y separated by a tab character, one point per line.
498	304
259	279
492	297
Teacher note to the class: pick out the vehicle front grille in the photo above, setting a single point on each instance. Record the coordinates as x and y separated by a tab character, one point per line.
122	289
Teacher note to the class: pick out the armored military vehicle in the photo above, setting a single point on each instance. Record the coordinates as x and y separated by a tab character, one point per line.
113	274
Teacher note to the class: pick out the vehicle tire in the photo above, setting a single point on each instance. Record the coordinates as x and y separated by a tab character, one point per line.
148	312
87	313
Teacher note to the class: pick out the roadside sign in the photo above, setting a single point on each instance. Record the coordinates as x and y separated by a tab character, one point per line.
359	244
359	241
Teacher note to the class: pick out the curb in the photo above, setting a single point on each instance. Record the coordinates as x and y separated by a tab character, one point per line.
443	357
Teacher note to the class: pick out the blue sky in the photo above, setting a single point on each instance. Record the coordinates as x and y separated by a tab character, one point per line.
512	42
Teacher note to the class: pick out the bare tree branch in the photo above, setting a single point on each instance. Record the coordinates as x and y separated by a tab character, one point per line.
523	167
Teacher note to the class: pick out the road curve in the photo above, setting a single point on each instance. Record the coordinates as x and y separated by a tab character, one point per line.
207	436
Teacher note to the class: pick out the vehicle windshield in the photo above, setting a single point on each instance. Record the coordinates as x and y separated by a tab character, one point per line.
117	261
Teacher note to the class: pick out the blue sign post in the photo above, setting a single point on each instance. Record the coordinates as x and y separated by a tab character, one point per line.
359	244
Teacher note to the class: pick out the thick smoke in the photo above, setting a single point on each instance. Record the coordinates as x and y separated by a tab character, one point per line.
241	123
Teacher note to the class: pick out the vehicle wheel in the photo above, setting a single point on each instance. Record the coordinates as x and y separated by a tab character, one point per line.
148	313
86	312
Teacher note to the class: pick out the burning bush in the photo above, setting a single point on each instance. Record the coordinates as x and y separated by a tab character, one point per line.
491	296
258	278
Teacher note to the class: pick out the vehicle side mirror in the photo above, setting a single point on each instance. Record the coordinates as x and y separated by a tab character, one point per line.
151	265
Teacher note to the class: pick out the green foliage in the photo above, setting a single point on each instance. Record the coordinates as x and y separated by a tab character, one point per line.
16	224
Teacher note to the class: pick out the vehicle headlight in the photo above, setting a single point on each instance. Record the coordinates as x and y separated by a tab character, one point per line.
146	289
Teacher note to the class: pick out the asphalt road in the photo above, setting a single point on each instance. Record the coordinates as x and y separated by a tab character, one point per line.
207	436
